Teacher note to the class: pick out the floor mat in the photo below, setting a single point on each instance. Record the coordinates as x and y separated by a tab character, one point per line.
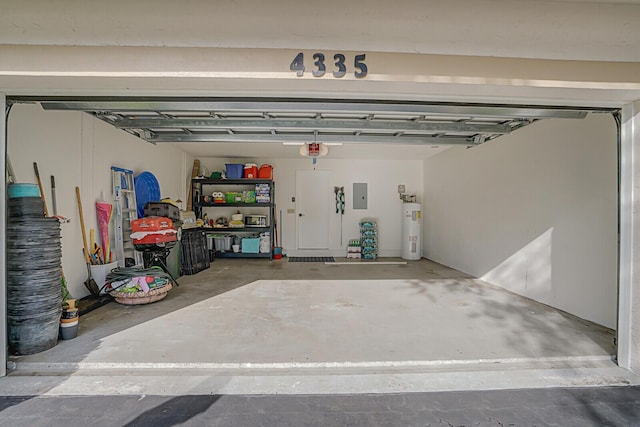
91	302
312	259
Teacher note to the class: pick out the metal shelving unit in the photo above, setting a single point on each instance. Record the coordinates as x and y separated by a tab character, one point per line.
198	187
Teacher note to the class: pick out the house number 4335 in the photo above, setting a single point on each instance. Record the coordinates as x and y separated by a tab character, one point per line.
339	64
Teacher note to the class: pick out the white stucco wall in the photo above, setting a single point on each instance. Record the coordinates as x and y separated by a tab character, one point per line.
534	212
466	50
629	311
382	177
79	151
592	30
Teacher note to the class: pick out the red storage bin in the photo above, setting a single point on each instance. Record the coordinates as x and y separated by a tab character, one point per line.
265	172
250	170
151	223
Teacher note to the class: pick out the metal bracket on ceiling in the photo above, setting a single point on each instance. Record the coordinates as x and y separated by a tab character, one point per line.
108	117
147	135
479	139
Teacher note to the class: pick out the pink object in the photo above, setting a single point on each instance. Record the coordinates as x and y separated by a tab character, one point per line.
103	212
141	282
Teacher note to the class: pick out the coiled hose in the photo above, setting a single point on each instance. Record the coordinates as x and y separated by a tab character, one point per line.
121	274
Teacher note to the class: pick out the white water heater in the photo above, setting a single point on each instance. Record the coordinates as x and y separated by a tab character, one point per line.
411	231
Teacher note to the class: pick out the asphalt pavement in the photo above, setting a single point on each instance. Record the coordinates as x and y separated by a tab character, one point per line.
562	407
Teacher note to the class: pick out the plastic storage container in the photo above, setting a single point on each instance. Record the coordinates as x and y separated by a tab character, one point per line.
222	243
265	172
151	223
234	170
210	243
250	245
211	248
23	190
251	170
156	238
195	256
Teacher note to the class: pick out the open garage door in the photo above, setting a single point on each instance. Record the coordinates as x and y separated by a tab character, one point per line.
291	120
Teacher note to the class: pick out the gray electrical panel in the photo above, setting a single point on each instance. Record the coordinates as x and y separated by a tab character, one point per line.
359	195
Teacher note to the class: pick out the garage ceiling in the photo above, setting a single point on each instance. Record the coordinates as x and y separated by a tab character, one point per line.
247	122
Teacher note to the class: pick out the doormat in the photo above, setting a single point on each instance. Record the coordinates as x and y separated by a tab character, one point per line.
91	302
360	262
312	259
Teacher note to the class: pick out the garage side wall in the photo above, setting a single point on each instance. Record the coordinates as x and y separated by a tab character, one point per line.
534	212
79	150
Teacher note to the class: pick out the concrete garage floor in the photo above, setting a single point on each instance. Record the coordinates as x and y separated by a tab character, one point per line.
255	326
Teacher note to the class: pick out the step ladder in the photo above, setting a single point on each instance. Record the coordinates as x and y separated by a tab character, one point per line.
124	196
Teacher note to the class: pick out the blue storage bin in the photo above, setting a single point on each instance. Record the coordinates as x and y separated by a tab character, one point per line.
250	245
234	170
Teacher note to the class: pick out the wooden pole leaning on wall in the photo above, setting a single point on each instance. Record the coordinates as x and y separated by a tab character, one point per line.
194	173
44	200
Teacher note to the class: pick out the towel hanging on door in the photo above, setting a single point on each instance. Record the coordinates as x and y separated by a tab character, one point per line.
339	191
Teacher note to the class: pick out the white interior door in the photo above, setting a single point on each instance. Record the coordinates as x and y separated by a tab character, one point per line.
312	209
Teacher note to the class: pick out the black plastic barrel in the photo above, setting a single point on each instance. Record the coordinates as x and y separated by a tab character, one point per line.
34	277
